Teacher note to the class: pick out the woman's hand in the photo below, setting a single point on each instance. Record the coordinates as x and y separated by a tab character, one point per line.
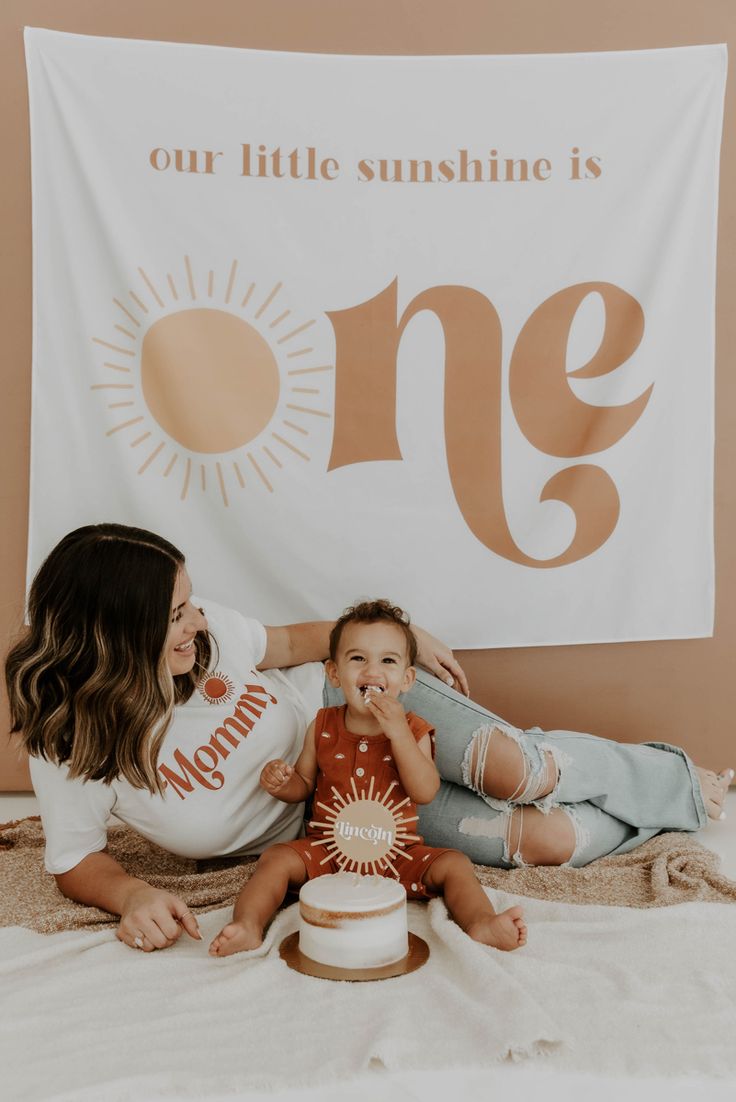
154	919
149	917
438	659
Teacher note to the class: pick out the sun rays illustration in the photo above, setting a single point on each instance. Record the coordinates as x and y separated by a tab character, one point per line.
216	688
215	382
364	833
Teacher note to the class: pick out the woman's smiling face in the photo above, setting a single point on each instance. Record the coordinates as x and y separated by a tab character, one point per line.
186	621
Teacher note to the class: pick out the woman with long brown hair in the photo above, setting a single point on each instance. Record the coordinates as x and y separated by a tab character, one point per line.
135	700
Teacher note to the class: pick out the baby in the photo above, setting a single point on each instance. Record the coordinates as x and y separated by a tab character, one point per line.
370	741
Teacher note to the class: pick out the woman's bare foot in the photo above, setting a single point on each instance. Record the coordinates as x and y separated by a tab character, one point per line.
506	931
714	787
236	937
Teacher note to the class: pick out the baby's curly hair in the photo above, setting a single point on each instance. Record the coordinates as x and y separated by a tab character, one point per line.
375	612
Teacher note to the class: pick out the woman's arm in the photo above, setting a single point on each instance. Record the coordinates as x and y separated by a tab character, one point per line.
293	644
154	916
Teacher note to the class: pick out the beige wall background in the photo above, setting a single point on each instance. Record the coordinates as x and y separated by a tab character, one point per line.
682	691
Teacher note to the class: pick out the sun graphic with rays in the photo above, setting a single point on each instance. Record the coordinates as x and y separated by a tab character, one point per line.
216	688
365	833
215	380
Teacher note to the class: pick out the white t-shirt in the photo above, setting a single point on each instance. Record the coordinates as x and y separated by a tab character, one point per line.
237	719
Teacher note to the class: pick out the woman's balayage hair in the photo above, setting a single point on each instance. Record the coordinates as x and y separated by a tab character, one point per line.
89	684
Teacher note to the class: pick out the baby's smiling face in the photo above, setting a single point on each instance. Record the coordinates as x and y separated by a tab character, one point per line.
371	658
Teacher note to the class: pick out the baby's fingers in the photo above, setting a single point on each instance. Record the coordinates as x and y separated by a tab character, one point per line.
275	774
384	705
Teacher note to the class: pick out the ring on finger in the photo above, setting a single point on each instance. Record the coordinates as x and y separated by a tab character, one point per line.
138	941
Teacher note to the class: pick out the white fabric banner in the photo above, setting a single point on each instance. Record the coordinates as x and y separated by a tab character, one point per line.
433	328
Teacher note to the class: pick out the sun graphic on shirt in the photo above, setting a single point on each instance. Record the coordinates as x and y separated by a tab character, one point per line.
216	688
365	833
214	382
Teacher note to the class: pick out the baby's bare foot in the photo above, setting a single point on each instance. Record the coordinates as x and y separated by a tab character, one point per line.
236	937
714	787
506	931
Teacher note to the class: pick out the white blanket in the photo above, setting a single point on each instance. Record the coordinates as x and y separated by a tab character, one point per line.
596	989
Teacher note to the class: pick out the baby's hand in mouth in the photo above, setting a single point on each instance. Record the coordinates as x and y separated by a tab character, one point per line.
366	689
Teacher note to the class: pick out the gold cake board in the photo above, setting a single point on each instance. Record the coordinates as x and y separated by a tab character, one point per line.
417	956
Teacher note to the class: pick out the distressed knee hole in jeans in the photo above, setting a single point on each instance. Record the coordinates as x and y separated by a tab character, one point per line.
542	768
582	834
508	827
500	827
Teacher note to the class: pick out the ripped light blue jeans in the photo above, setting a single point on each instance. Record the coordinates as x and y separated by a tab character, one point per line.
617	795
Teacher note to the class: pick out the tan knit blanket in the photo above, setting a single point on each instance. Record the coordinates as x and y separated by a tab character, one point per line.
669	869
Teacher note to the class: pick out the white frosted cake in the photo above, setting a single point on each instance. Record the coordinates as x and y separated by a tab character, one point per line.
353	922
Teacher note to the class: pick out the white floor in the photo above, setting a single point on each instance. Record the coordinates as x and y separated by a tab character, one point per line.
526	1080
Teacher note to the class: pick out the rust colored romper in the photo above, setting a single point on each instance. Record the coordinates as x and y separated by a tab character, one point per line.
342	756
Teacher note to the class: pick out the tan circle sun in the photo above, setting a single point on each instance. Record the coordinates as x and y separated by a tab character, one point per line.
189	360
220	386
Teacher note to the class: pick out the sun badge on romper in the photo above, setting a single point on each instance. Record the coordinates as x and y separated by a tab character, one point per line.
364	834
